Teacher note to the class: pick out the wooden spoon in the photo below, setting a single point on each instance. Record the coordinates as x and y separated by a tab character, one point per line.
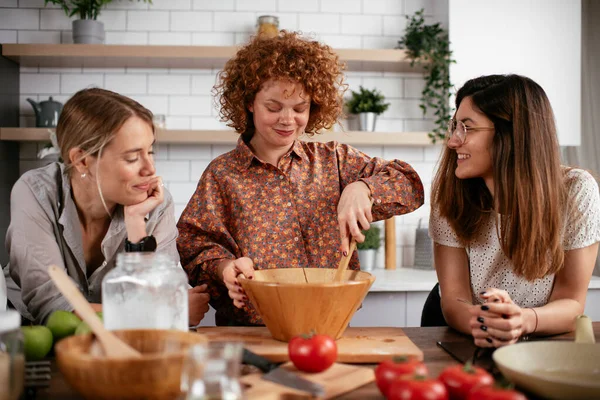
341	269
112	345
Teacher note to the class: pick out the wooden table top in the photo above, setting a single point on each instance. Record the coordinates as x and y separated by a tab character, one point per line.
426	339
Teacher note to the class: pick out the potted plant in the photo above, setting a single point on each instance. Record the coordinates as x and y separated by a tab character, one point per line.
367	250
367	104
428	45
86	29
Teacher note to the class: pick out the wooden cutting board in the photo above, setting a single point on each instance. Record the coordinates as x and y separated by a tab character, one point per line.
358	345
337	380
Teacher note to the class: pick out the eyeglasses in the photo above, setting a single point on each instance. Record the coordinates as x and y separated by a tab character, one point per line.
461	130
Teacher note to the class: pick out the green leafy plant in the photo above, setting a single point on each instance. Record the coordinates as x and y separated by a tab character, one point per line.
85	9
429	46
372	239
366	100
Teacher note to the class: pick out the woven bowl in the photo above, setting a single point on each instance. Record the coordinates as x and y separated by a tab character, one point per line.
156	375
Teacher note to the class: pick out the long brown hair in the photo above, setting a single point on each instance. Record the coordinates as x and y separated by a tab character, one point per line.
530	191
286	56
92	117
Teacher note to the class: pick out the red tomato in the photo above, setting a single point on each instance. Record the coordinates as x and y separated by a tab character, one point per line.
312	353
390	370
417	388
460	380
495	393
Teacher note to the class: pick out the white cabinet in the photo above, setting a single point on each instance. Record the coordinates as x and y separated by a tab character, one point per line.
391	309
592	303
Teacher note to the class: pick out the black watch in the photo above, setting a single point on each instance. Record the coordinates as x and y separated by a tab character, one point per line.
146	244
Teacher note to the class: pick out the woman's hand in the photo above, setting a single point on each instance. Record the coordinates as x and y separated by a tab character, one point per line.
229	270
135	213
198	303
497	324
354	213
493	295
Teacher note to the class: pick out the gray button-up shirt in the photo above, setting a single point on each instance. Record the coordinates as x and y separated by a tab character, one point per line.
45	229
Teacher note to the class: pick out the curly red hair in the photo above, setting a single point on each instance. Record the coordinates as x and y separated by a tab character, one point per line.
286	56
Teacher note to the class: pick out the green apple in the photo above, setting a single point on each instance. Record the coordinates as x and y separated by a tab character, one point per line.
38	342
84	328
62	324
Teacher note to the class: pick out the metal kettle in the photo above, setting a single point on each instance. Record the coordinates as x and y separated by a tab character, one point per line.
46	112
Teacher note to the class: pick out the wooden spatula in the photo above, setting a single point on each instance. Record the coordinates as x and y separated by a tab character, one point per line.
113	346
341	269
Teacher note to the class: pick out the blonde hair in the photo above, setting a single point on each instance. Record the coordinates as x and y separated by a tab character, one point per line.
91	118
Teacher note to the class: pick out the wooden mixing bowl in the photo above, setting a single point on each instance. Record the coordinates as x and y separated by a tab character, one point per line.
289	306
156	375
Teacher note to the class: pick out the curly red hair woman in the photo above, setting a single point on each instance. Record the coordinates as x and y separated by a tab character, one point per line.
287	57
276	201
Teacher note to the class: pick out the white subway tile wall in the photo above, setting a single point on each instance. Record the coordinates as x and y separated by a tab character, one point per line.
184	96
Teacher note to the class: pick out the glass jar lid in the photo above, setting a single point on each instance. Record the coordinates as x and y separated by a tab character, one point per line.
134	260
268	19
10	320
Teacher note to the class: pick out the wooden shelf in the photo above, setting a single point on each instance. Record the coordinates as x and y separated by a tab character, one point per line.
230	137
144	56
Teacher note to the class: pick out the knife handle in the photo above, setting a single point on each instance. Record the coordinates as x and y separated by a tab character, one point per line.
259	362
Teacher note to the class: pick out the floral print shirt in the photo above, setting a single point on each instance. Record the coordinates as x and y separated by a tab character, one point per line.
284	216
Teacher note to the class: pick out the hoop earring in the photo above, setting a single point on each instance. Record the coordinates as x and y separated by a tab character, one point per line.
83	175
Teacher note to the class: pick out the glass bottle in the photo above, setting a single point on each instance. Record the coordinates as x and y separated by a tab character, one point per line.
268	25
12	358
145	291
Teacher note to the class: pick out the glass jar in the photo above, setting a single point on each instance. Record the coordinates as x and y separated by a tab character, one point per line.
12	358
145	291
268	25
160	121
211	372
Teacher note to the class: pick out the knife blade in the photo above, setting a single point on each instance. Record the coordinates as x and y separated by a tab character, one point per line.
273	373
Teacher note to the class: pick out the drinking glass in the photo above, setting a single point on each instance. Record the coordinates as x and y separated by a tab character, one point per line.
211	372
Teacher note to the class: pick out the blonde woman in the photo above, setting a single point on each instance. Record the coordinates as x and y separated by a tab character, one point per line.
104	198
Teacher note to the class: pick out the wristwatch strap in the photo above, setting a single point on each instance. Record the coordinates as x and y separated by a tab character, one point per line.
146	244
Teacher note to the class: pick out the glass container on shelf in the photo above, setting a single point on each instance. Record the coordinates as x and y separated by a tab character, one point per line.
12	358
145	291
160	121
268	25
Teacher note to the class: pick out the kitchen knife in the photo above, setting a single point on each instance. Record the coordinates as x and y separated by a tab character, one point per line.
282	376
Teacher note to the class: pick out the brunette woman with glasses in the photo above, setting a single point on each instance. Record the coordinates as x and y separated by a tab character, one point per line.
515	233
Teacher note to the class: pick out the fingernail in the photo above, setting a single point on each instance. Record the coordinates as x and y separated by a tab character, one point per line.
487	339
480	319
345	254
483	328
240	290
485	308
484	292
504	316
